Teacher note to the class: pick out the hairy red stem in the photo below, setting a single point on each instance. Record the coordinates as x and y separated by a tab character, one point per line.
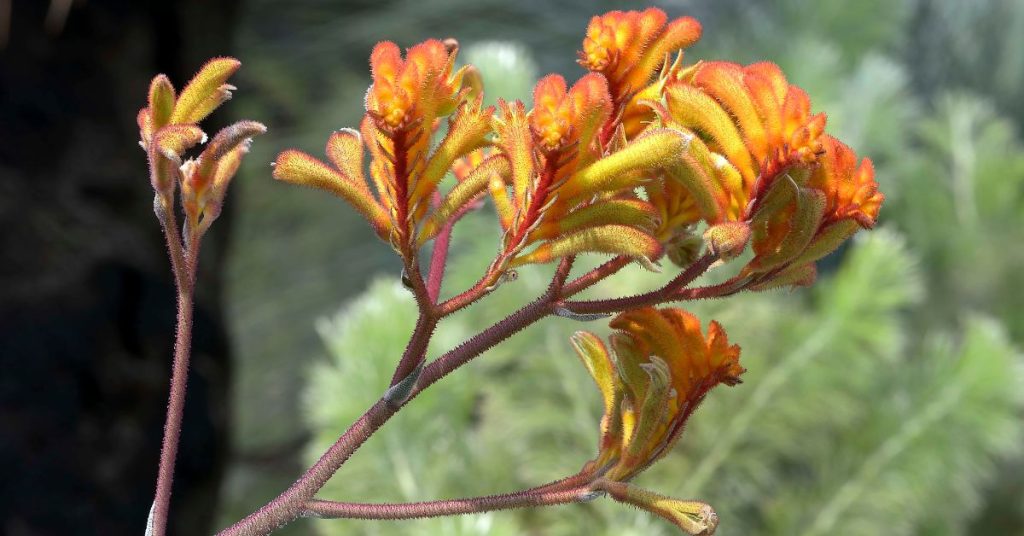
289	504
439	256
594	276
438	260
416	350
184	264
669	292
490	503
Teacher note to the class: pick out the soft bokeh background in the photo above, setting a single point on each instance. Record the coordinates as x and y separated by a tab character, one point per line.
888	399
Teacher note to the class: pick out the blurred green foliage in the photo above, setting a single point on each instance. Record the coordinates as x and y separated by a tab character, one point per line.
887	400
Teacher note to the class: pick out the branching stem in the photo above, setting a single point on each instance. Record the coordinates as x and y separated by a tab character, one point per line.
669	292
298	499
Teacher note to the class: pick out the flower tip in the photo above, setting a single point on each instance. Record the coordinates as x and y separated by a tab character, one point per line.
451	45
727	240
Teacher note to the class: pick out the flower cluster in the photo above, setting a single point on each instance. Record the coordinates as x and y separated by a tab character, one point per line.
659	370
169	127
644	157
795	191
662	368
404	107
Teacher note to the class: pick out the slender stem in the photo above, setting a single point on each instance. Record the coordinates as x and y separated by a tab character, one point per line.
485	340
569	482
164	209
561	274
668	292
416	350
439	257
721	290
594	276
490	503
468	297
438	260
184	263
289	504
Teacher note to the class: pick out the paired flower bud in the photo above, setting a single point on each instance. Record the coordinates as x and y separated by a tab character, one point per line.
168	129
660	368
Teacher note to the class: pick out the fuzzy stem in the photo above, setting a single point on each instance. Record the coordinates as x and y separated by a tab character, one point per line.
416	350
594	276
668	292
468	297
721	290
439	256
438	260
184	264
490	503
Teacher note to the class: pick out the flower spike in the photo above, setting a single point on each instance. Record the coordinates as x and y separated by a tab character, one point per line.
767	158
405	104
168	129
628	47
660	369
567	194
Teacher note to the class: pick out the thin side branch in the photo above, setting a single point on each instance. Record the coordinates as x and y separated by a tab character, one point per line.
594	276
439	256
669	292
490	503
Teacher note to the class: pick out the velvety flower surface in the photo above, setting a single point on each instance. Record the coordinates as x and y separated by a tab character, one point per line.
659	369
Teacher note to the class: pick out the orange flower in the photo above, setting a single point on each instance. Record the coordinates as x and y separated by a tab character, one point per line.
416	88
809	213
404	108
663	368
629	46
755	136
752	120
547	200
169	127
850	189
562	117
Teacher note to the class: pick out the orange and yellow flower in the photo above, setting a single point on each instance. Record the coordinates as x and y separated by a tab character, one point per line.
629	160
754	136
753	122
404	106
565	194
628	47
419	88
662	369
809	213
169	127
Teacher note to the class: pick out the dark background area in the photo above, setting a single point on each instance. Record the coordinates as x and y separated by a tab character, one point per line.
86	298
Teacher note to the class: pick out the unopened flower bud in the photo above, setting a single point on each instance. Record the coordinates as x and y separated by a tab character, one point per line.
727	240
